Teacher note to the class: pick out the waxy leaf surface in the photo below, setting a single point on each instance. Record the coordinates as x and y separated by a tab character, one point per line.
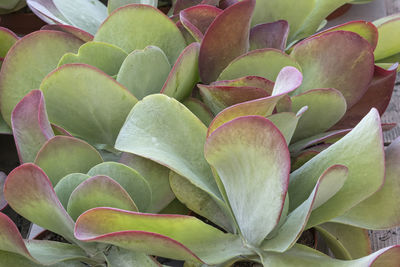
78	33
388	42
199	109
8	39
67	185
32	58
96	113
3	202
269	35
115	4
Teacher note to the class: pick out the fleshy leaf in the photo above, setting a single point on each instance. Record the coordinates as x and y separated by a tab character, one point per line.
218	49
137	26
346	242
98	191
103	56
3	202
117	257
265	63
286	122
47	11
157	177
74	154
144	71
200	202
261	161
36	200
32	57
31	127
382	209
87	15
184	74
96	113
325	108
349	70
388	42
180	151
158	235
199	109
365	29
198	18
4	128
269	35
303	256
79	33
363	178
7	40
136	186
250	81
378	96
328	184
67	185
115	4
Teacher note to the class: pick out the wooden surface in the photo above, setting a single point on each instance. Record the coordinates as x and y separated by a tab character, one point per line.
381	239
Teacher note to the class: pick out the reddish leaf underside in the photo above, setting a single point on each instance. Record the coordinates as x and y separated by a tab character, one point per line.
269	35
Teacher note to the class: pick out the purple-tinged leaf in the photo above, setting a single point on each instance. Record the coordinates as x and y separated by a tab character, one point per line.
269	35
218	48
198	18
288	79
249	81
185	33
30	125
172	236
79	33
74	154
47	11
365	29
98	191
254	172
3	202
29	192
266	63
349	70
184	74
183	4
377	96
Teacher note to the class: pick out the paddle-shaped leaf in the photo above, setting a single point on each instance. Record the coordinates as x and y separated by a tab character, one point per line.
8	39
136	186
254	172
388	43
115	4
198	18
36	200
184	74
32	57
384	202
173	236
269	35
349	70
74	154
157	177
218	48
325	108
137	26
98	191
250	81
31	127
144	71
199	109
181	151
96	113
122	257
327	185
67	185
79	33
363	178
103	56
286	122
265	63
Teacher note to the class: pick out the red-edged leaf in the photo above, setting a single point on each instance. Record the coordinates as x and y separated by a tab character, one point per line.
269	35
3	202
226	38
79	33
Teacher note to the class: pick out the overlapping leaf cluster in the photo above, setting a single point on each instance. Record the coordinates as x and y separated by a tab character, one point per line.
210	111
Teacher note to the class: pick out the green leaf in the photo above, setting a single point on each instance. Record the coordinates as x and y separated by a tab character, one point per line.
325	108
172	236
31	127
265	63
199	109
67	185
62	155
98	191
118	257
32	58
254	172
389	41
137	26
103	56
7	40
218	48
328	184
286	122
364	178
4	128
79	33
136	186
87	15
181	151
382	209
115	4
96	113
184	74
144	71
346	242
349	70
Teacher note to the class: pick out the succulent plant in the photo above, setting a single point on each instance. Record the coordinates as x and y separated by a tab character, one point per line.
9	6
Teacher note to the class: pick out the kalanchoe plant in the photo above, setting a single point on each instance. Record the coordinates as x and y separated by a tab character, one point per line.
9	6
